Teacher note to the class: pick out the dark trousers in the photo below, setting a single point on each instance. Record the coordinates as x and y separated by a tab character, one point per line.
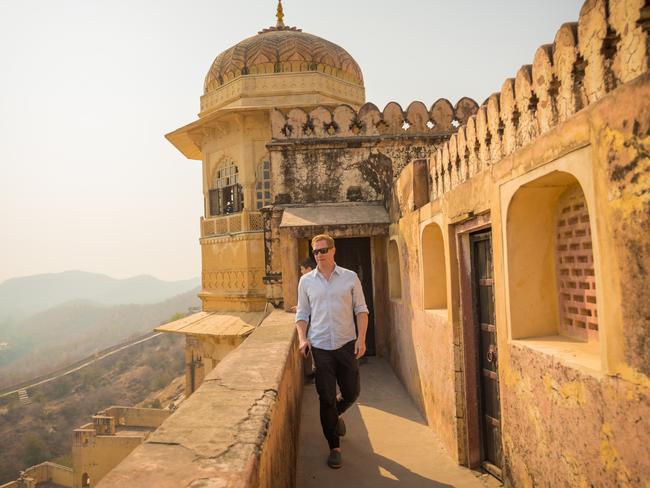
332	367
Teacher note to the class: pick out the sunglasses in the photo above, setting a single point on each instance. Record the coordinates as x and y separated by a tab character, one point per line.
322	250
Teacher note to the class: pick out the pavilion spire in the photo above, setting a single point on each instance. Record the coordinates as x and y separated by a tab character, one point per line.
280	15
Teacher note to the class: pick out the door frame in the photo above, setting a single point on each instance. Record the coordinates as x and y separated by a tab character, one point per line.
473	439
304	252
292	242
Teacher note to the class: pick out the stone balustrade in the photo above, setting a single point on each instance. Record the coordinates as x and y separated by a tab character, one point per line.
343	121
244	221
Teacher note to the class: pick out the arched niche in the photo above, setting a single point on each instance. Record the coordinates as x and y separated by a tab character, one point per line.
551	270
434	275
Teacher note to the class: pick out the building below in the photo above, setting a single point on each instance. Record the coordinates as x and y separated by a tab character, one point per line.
44	475
99	446
209	336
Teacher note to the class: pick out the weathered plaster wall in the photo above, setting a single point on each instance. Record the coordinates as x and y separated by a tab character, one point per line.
567	419
563	424
342	154
229	432
341	172
420	342
569	428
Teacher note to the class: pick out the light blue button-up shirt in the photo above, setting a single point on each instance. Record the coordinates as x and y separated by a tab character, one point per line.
331	306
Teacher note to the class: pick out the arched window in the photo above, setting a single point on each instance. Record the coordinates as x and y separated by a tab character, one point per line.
85	480
225	195
394	278
434	274
263	185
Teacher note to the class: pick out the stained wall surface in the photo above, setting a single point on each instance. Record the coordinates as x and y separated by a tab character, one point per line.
573	412
577	120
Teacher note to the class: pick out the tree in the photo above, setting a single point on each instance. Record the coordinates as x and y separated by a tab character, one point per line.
177	316
61	387
34	450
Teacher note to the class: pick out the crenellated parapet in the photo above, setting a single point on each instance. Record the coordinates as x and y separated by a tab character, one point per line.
441	118
607	47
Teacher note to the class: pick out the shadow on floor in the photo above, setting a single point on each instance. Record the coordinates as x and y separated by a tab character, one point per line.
388	441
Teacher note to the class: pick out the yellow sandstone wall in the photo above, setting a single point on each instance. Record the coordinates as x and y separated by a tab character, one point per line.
573	414
232	246
43	473
100	456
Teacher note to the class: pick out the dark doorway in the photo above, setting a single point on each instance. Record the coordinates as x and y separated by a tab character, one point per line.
485	336
354	253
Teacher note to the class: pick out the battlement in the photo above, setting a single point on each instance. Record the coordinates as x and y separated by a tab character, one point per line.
343	121
607	47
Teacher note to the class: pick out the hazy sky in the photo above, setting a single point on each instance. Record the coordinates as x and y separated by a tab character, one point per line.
88	89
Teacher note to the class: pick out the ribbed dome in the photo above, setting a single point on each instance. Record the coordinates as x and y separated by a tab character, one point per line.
282	50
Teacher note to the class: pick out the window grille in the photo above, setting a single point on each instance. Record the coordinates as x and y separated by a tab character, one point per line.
263	185
575	267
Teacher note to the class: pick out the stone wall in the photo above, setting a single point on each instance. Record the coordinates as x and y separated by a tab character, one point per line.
43	473
240	428
341	155
606	48
572	413
134	416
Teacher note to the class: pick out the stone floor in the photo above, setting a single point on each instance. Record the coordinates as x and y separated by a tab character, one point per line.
387	442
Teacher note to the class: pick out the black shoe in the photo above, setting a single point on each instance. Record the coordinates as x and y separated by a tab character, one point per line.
340	428
334	459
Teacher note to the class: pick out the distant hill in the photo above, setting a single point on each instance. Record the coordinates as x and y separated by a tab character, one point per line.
73	330
28	295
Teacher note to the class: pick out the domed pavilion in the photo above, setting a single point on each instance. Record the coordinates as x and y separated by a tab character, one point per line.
279	67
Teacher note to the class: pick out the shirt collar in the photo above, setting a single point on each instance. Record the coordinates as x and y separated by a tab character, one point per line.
336	271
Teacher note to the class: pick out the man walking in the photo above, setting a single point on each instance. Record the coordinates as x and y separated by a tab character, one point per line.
332	296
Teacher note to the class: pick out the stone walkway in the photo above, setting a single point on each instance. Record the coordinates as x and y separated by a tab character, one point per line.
387	442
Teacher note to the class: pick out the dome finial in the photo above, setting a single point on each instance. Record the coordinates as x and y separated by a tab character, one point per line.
280	15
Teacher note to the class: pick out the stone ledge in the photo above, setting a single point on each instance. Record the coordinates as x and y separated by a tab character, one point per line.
218	436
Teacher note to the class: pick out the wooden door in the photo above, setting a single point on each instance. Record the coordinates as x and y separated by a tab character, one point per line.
487	361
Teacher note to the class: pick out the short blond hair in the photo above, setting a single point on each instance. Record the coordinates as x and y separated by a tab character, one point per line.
322	237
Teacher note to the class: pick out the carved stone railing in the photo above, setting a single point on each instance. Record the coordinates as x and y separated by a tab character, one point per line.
607	47
244	221
344	121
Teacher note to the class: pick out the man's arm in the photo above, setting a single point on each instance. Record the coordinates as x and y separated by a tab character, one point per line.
302	315
362	328
361	311
303	343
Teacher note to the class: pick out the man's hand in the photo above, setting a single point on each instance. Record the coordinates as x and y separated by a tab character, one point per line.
360	347
304	347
